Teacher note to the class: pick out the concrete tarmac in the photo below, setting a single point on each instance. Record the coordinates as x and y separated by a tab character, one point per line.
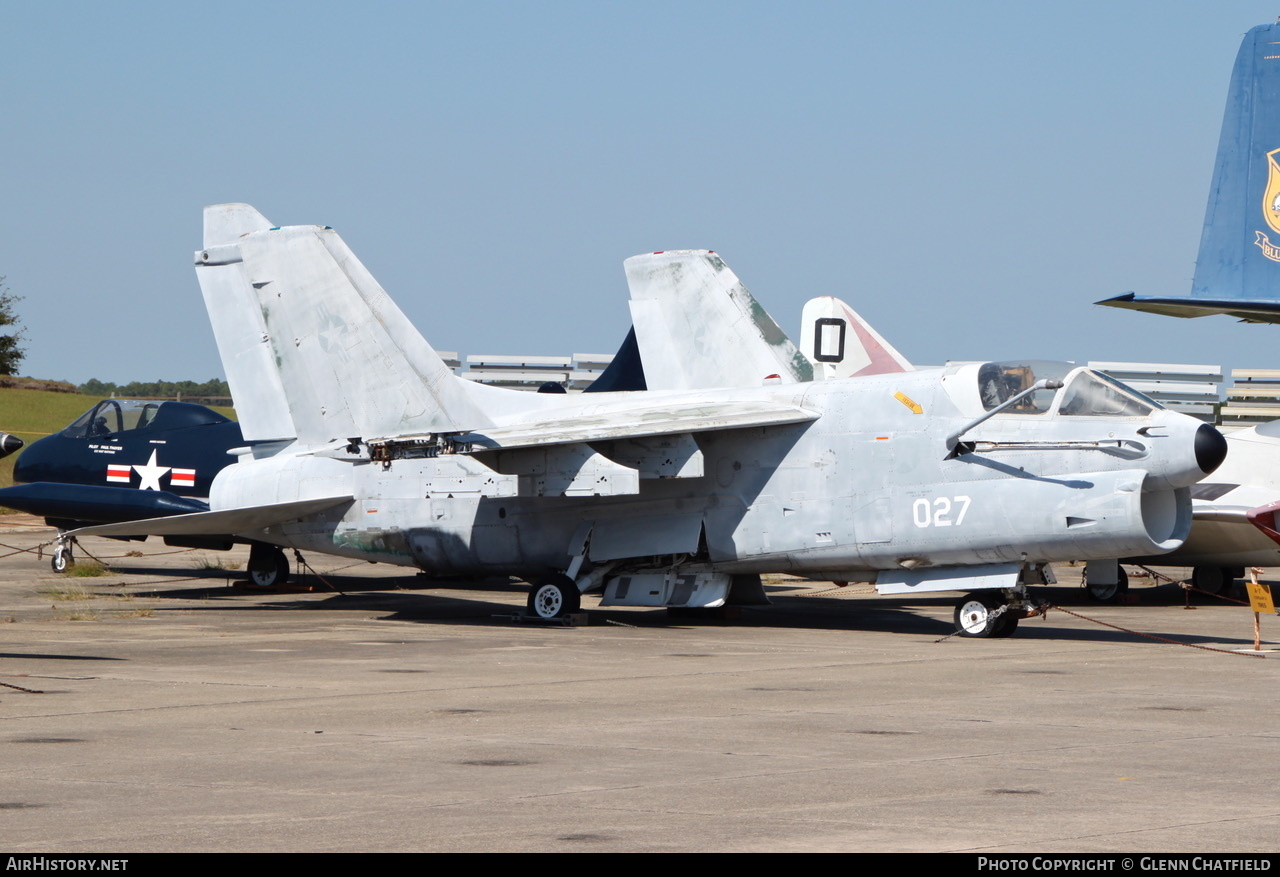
179	713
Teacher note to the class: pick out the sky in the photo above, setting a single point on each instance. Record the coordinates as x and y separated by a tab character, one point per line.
971	177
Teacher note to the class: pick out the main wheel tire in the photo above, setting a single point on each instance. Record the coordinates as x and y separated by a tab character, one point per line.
976	616
1006	624
268	566
1211	579
62	559
1109	593
554	598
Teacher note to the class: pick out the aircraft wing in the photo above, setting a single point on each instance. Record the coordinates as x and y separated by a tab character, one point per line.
1239	515
640	423
231	521
1223	529
1228	503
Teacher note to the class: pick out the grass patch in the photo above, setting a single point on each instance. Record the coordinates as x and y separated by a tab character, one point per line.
204	561
140	612
68	592
76	615
86	569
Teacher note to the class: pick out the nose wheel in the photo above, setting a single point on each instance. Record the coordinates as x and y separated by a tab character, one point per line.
62	558
985	614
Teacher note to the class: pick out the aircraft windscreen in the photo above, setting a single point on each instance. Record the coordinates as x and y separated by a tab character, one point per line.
1099	395
1001	381
112	416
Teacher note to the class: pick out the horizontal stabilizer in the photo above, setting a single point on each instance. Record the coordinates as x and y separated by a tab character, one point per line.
226	521
606	426
1249	311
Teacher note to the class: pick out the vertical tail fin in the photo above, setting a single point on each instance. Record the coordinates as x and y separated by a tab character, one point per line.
1240	245
842	344
1238	267
247	359
698	327
329	345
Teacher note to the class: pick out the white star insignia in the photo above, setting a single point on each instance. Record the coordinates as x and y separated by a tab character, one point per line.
150	474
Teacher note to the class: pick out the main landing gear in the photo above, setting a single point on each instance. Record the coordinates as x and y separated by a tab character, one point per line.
1215	579
986	614
1111	593
554	597
268	566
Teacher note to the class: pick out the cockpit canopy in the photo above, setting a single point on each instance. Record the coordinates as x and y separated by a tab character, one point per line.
1085	392
110	417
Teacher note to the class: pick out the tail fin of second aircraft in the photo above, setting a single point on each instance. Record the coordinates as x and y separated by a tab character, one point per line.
1238	268
842	344
698	327
1240	244
313	346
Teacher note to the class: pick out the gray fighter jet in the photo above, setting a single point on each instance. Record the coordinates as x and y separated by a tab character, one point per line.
970	478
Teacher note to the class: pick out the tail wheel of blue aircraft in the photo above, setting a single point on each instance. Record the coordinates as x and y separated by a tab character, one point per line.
1110	593
268	566
62	559
978	614
554	597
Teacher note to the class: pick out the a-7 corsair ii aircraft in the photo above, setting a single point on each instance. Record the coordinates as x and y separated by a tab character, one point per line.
970	478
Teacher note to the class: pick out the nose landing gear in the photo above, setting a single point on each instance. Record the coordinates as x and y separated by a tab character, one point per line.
986	614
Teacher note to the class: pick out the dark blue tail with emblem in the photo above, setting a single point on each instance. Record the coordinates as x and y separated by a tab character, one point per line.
1238	268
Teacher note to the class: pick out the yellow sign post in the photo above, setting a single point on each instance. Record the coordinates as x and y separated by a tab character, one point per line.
1260	600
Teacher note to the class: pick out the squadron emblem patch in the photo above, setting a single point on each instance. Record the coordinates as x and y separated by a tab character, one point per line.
1270	208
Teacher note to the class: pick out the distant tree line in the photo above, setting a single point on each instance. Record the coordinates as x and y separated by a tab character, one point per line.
11	351
155	389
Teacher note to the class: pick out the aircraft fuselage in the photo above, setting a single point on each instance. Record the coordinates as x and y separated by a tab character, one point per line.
868	484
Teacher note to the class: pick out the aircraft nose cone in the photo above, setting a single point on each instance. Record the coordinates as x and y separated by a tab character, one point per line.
1211	448
9	444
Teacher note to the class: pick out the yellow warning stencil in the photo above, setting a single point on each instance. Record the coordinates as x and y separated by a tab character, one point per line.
909	402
